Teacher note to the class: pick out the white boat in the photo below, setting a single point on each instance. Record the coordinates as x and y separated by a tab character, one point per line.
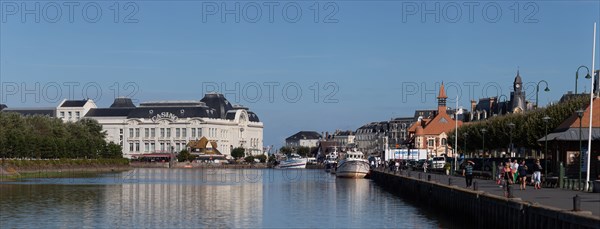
353	165
292	162
331	161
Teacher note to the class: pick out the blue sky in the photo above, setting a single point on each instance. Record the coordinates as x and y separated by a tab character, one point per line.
361	55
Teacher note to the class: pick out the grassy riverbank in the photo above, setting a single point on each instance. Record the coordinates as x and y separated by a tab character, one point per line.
23	169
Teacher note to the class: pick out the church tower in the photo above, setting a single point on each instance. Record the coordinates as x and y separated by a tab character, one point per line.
442	99
517	97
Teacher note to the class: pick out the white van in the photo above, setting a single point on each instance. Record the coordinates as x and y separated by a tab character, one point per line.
438	162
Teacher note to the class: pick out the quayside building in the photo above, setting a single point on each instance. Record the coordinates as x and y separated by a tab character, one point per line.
164	127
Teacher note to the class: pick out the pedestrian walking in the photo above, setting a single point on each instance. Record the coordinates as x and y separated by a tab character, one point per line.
468	173
514	169
537	174
522	175
507	177
499	174
425	167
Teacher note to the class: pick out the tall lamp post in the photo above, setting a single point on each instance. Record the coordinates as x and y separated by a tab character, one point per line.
537	91
577	75
465	134
512	127
483	130
546	120
580	115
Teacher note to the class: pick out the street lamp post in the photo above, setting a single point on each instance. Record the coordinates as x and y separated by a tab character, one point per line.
537	91
577	75
546	120
483	130
512	127
580	115
465	134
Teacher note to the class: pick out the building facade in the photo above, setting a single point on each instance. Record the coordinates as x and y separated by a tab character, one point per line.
166	127
432	133
303	139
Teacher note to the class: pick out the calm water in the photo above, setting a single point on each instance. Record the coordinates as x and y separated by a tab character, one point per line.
206	198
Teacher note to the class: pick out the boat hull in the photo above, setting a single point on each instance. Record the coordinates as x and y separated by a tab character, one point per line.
357	169
292	164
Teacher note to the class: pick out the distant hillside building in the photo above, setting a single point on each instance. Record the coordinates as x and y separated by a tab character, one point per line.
432	133
303	138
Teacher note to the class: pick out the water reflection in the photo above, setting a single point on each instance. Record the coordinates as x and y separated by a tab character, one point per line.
183	198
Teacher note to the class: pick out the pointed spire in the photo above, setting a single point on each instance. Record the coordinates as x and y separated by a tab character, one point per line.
442	93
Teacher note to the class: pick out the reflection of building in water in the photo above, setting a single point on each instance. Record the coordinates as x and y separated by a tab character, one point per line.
190	198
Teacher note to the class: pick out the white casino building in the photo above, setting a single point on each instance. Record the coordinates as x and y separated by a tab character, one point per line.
167	126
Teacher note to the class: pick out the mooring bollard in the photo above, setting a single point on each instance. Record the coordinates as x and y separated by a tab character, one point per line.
449	180
428	177
576	203
509	191
475	188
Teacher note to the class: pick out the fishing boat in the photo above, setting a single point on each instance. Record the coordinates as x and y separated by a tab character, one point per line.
352	165
331	160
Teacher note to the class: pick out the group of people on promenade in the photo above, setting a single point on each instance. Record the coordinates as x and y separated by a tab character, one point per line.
509	173
514	172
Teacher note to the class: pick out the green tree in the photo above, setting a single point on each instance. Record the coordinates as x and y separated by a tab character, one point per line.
303	151
112	150
184	155
285	150
238	153
249	159
262	158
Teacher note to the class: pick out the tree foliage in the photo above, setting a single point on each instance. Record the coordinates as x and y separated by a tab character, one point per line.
238	153
185	155
529	128
45	137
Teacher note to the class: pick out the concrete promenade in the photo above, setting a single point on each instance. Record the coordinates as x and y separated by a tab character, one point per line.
551	197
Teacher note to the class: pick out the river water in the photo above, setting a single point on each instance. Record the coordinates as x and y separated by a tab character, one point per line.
206	198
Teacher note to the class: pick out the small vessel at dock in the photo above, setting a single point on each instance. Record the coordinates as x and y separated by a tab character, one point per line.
293	161
352	165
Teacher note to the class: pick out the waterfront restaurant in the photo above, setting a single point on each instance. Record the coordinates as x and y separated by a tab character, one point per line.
564	141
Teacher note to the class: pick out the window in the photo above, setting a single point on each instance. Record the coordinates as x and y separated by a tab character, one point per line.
70	115
121	131
62	114
131	147
162	132
152	132
193	132
168	132
152	147
137	132
430	142
77	115
131	132
184	132
162	146
137	147
199	132
178	146
146	147
444	141
177	132
146	132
